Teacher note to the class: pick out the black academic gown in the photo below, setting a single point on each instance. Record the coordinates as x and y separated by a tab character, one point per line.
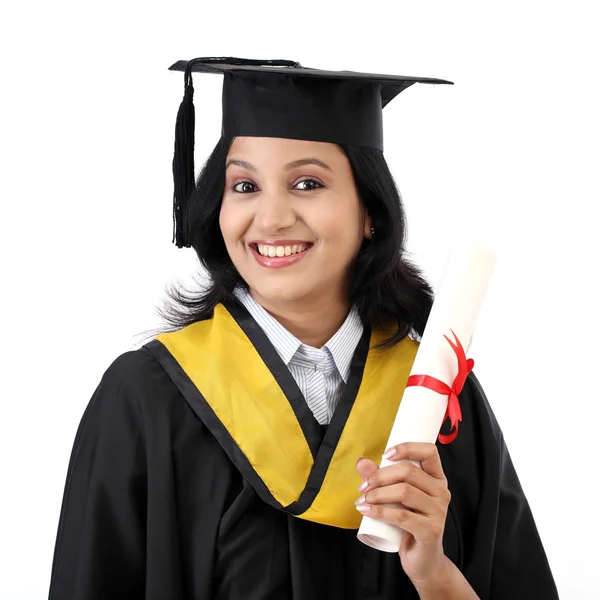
155	508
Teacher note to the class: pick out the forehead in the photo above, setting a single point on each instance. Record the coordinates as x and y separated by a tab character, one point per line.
274	150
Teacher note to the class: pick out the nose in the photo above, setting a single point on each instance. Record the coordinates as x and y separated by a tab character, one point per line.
274	212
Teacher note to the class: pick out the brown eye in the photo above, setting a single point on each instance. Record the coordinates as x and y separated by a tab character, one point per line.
244	187
307	185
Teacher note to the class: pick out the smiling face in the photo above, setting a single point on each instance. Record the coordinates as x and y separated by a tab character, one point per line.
291	219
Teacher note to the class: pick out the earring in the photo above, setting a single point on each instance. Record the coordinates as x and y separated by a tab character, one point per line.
372	230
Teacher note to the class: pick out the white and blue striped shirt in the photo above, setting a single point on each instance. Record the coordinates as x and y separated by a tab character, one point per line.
321	373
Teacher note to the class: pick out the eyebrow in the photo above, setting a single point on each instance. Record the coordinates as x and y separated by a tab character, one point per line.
240	163
292	165
306	161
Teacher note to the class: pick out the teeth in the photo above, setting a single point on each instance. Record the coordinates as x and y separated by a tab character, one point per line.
278	251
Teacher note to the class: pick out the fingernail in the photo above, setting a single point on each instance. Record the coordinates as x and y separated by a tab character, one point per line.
363	508
363	486
361	500
389	453
359	459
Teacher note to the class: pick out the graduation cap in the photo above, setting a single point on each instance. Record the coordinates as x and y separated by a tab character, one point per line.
281	98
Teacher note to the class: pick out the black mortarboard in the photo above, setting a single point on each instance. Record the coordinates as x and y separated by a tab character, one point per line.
280	98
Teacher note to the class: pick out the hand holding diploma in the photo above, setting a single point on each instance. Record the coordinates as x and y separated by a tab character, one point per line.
424	497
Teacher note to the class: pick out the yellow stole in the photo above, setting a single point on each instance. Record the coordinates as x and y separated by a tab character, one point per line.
223	376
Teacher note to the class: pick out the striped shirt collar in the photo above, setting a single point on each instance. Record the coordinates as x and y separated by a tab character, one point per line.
341	345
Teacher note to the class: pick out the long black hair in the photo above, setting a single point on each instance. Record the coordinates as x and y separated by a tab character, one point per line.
384	285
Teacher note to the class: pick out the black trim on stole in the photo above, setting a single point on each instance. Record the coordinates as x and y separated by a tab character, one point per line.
310	426
205	413
322	447
335	429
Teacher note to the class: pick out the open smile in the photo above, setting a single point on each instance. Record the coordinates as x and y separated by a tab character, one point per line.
281	254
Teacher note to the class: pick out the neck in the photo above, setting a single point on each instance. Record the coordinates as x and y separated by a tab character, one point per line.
314	324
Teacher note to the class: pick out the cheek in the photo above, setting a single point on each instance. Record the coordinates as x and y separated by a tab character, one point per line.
342	225
231	222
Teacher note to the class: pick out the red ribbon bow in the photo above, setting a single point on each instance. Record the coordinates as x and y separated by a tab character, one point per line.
453	411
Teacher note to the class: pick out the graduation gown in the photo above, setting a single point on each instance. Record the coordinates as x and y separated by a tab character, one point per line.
199	473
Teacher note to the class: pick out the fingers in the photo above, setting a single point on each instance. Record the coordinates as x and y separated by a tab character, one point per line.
426	454
393	502
424	528
410	497
365	467
403	472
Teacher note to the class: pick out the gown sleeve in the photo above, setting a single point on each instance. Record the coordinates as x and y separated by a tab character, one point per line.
503	553
100	546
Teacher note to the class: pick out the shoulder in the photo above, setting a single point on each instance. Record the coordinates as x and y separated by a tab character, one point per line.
476	405
132	368
125	385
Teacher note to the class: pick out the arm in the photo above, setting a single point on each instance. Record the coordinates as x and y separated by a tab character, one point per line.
503	554
447	584
100	546
520	567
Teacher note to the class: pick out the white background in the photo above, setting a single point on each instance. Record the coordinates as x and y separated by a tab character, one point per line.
509	155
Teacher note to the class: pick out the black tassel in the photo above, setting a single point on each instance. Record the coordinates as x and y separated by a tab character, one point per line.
183	163
183	159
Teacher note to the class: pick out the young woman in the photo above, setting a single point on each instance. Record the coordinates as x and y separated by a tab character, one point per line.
234	457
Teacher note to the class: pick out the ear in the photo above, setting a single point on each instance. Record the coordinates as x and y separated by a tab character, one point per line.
367	228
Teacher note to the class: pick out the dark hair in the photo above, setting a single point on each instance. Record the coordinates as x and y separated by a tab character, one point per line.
385	286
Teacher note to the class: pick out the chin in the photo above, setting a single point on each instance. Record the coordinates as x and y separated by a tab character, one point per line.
277	292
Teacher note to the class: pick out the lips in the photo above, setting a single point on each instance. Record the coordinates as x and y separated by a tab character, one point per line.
283	253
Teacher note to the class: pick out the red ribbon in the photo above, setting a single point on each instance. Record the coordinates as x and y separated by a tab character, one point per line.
453	411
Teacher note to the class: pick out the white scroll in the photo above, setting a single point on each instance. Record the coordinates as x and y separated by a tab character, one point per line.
421	413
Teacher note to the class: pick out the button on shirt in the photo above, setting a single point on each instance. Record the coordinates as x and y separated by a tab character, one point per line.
321	373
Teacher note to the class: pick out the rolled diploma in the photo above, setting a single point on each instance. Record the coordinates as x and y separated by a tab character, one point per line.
421	412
